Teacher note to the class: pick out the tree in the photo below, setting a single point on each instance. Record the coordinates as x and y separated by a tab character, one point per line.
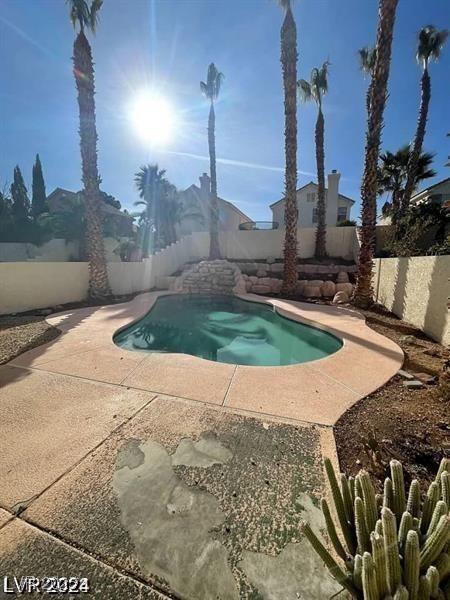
314	90
160	208
392	174
430	44
20	208
376	103
39	197
211	90
85	15
289	55
367	57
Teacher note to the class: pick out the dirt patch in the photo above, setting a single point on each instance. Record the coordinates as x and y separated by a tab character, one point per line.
411	425
18	334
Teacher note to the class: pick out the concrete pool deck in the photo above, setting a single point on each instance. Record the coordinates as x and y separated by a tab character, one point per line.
169	476
316	392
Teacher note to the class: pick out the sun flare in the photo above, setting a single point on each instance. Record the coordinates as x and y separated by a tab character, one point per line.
153	118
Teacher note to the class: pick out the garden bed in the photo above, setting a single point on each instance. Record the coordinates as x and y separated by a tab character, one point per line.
411	425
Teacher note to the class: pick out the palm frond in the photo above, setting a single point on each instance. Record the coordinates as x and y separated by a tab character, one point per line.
93	14
305	90
367	56
204	88
285	4
79	12
430	43
214	78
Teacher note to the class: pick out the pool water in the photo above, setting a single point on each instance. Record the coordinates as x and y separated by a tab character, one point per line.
226	329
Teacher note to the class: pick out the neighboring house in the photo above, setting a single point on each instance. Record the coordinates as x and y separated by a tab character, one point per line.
196	202
59	201
438	192
338	206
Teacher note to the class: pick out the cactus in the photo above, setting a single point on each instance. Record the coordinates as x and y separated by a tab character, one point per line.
401	556
332	530
436	542
398	489
445	487
369	580
379	559
391	549
413	504
412	564
439	510
405	525
433	579
339	505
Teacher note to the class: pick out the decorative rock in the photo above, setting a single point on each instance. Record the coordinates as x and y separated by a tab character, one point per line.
342	277
253	278
328	289
310	291
270	260
45	311
276	286
300	286
315	282
341	298
405	374
248	286
426	378
345	287
414	384
277	268
261	289
261	273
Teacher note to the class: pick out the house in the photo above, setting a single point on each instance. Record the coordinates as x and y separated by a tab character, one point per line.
62	200
338	206
196	210
439	193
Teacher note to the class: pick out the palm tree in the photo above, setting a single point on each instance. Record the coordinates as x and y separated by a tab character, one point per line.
431	42
289	68
314	90
367	63
211	90
85	15
154	189
376	103
392	174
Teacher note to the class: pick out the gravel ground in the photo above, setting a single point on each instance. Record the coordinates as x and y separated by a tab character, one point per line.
18	334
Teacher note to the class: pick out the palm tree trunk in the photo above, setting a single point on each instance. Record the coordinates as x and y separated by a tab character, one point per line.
214	249
84	79
321	232
289	67
425	85
377	102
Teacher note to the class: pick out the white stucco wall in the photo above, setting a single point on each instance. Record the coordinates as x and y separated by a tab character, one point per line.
416	289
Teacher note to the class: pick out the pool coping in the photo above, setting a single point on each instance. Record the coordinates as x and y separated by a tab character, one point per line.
318	392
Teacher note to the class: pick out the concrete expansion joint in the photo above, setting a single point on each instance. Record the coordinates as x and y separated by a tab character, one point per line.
78	548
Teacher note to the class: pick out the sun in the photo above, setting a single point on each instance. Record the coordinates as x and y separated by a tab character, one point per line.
153	118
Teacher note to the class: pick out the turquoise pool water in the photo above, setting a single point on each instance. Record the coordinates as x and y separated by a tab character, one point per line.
226	329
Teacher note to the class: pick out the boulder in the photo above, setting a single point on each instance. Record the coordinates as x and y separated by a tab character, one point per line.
277	267
341	298
253	278
248	285
315	282
259	288
342	277
270	260
328	289
301	283
345	287
310	291
261	273
276	285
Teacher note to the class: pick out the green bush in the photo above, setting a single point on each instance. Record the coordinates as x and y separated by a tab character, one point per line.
392	545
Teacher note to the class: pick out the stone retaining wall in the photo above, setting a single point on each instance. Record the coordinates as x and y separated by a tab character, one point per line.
211	277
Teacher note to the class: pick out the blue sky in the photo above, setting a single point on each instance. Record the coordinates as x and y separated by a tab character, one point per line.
168	44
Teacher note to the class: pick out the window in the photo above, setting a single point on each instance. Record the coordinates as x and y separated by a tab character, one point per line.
315	215
311	197
342	214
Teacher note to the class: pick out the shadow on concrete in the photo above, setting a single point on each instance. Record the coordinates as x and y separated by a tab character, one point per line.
436	315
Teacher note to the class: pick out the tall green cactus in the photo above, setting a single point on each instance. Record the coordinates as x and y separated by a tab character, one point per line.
402	543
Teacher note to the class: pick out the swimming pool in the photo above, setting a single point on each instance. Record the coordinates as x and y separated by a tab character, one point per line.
226	329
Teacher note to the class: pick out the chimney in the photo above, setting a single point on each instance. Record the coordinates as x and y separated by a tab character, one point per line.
332	198
205	186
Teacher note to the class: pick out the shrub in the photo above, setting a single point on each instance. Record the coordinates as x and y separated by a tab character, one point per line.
346	223
392	545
